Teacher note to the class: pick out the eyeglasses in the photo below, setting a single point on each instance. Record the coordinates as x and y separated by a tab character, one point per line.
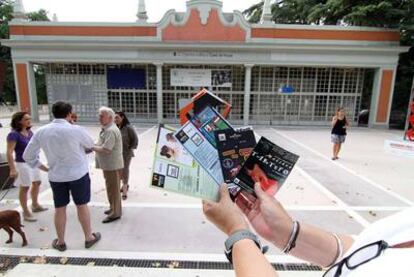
358	257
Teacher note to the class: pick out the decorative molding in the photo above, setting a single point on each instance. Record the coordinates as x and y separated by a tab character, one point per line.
204	8
204	13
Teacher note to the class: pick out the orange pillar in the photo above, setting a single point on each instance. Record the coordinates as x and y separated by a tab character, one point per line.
22	87
386	90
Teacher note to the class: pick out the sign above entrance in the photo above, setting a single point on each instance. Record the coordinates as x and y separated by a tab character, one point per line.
200	54
200	77
286	89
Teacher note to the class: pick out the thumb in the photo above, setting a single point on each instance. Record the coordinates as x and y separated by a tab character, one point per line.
259	192
224	193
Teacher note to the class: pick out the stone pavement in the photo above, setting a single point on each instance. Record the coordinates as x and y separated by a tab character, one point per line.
343	196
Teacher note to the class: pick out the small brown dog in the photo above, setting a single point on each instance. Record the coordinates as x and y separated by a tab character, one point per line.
9	220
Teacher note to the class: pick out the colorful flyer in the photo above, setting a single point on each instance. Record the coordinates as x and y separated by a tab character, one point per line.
268	164
175	170
209	120
201	100
234	147
201	150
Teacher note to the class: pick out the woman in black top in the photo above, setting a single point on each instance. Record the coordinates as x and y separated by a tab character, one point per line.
129	143
338	133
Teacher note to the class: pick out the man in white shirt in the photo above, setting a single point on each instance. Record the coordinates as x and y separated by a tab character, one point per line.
64	145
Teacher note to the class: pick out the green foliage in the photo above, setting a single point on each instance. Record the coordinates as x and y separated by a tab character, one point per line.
254	13
40	15
9	90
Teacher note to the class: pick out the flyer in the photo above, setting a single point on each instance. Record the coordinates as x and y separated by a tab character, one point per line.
201	149
175	170
268	164
199	101
209	120
234	147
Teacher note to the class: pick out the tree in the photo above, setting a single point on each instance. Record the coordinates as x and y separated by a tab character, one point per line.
8	91
374	13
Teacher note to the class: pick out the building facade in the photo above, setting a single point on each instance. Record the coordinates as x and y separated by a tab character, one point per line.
270	73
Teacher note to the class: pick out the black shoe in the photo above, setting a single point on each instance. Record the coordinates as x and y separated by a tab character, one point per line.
89	244
60	247
107	212
110	219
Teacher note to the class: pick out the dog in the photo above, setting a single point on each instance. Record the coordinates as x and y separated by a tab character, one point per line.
9	220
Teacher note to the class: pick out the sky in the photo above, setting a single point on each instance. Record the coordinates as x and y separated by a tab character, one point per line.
118	10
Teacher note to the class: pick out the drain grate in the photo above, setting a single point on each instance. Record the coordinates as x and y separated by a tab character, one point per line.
9	262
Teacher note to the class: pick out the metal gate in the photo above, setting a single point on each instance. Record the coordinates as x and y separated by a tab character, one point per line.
173	94
304	95
85	87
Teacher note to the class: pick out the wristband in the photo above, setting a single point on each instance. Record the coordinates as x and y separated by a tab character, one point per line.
240	235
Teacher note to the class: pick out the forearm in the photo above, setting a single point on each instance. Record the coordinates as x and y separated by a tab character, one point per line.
33	162
44	168
248	260
10	161
100	149
316	245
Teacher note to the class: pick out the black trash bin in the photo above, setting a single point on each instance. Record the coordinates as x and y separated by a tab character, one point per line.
4	173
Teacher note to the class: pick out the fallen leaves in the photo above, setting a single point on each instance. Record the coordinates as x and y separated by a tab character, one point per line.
5	264
40	260
23	259
173	265
63	260
157	264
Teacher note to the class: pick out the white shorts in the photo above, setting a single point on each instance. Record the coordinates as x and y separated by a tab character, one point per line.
26	175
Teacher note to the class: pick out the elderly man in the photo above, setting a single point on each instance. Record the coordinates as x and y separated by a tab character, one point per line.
109	158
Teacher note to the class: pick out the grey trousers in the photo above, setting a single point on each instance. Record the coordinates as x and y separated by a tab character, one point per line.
124	173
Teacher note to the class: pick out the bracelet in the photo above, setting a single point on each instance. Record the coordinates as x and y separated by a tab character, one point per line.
339	249
293	236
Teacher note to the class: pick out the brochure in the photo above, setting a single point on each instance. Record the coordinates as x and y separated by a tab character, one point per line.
175	170
201	149
199	101
268	164
209	120
234	147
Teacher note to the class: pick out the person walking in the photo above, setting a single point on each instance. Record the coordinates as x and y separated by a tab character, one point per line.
129	143
338	134
24	175
109	158
64	145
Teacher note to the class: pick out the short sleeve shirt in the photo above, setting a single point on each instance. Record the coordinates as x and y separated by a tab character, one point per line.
21	143
110	138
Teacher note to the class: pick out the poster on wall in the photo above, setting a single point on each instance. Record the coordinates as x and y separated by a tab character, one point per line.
409	127
200	77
